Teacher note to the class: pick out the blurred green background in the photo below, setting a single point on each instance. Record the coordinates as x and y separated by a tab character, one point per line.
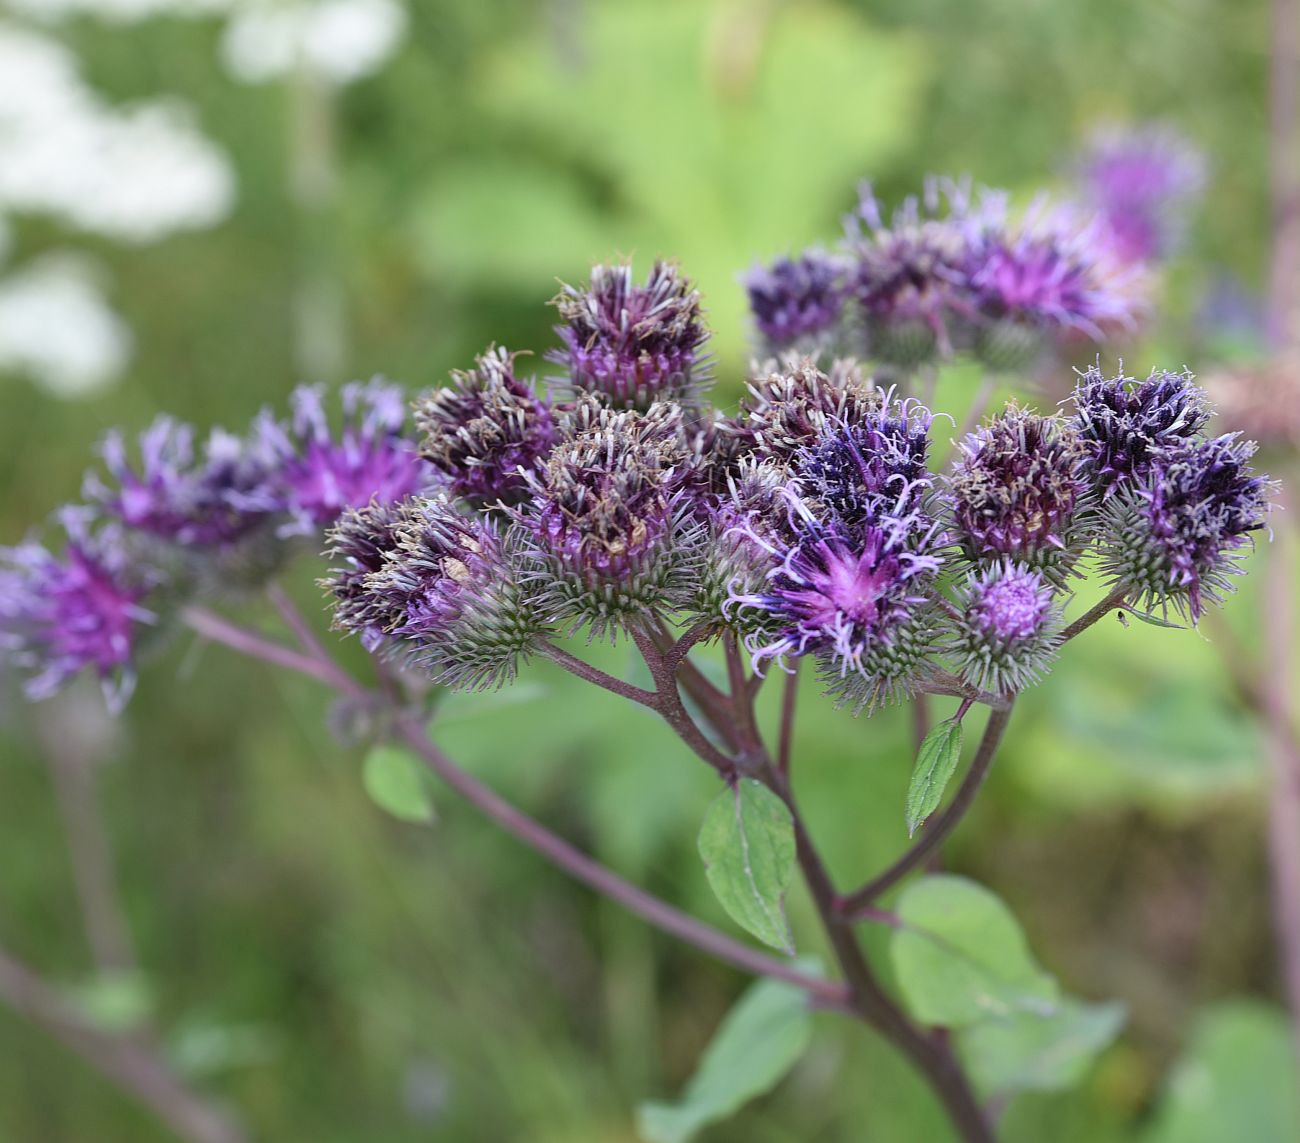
336	976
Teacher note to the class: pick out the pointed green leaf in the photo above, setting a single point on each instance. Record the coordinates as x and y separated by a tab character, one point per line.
935	763
1029	1052
747	842
114	1001
960	957
395	780
760	1040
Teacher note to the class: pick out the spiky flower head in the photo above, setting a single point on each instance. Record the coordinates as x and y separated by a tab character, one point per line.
855	602
1018	490
485	430
609	531
910	273
321	472
1051	271
1143	180
84	610
873	468
1007	633
797	302
1124	423
786	411
633	344
1175	537
423	581
179	494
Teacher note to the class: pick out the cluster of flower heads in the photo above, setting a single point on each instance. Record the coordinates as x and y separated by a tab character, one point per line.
811	522
954	269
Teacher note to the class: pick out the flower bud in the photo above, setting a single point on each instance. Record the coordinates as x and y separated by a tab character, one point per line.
1008	631
797	303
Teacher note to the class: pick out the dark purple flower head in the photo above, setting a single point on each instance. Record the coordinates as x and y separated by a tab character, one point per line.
62	615
797	302
1017	489
609	523
1143	180
872	468
910	274
1124	422
422	580
854	601
1008	629
320	472
1052	270
633	344
485	430
1178	536
786	412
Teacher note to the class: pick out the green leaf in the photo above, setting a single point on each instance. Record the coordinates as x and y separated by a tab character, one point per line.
935	763
755	1045
114	1001
1236	1081
747	842
1029	1052
396	782
960	957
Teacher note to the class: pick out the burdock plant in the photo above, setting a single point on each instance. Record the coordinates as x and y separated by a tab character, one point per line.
811	523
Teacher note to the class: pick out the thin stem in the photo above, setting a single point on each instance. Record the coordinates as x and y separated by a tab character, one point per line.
573	861
785	736
214	627
1097	611
852	905
128	1061
596	676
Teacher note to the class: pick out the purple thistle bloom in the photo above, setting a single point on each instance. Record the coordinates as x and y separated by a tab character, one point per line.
1052	271
1124	422
1178	536
873	467
1143	181
633	344
59	616
177	496
1017	489
797	302
851	600
1008	631
484	431
319	474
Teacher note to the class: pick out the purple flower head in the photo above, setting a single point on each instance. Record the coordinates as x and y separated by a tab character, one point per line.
1178	536
423	580
633	344
856	602
1053	270
485	430
179	496
1017	489
609	524
786	412
872	468
1143	180
1124	422
910	274
59	616
797	302
1008	629
320	472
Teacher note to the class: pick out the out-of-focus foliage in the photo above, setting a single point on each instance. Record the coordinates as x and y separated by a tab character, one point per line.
337	975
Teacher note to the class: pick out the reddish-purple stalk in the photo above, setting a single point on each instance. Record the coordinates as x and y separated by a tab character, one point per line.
861	996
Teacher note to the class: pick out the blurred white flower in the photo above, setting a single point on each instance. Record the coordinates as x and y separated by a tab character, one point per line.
57	328
133	174
337	40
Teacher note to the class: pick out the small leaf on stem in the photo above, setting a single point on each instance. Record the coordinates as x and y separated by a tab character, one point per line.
935	763
747	843
395	780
